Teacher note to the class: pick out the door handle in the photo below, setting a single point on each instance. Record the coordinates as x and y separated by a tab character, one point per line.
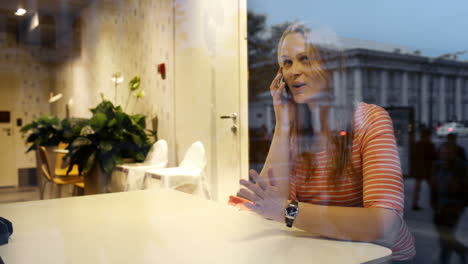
233	116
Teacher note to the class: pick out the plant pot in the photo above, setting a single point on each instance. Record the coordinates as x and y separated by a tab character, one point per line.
96	180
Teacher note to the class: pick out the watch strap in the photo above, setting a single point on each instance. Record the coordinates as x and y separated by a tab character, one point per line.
289	221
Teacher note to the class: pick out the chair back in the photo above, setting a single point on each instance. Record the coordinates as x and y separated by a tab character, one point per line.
59	156
195	157
157	155
45	164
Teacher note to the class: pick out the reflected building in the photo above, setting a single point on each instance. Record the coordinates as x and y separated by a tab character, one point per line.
418	91
435	88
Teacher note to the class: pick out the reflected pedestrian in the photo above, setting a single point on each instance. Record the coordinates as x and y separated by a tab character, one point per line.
450	187
422	161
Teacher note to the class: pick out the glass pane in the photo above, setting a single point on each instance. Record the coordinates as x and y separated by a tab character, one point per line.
375	55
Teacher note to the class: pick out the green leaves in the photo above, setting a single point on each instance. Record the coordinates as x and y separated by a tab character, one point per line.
134	83
86	130
98	121
105	146
108	163
44	131
112	122
138	120
90	161
81	141
108	137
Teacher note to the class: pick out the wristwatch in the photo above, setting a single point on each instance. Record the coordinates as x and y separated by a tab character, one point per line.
291	212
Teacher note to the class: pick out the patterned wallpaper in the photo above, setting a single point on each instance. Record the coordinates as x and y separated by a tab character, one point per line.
130	37
31	84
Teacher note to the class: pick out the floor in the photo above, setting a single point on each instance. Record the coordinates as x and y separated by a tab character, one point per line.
23	194
420	222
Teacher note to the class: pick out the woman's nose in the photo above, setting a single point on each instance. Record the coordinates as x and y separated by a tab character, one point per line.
296	69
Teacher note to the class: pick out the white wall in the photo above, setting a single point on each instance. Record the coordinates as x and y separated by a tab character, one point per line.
25	85
131	37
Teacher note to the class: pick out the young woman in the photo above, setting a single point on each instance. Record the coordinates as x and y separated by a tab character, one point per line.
339	177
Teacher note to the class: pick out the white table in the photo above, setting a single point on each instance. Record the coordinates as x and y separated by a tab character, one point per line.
163	226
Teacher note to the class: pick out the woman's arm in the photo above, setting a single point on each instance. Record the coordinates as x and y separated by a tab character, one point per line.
278	159
379	225
380	219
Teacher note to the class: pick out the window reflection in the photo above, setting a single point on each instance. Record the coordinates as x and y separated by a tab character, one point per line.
422	89
188	72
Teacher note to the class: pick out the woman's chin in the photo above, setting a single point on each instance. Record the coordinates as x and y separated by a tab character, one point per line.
303	98
300	100
311	98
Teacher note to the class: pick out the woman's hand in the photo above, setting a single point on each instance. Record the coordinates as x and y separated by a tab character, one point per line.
268	201
284	108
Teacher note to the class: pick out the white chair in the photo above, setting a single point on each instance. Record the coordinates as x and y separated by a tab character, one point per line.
130	176
190	171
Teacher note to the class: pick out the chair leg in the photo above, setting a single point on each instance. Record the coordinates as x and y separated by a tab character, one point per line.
200	187
165	181
203	187
59	190
42	189
143	185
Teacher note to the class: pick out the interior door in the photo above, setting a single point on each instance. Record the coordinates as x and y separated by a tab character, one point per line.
8	88
230	94
211	88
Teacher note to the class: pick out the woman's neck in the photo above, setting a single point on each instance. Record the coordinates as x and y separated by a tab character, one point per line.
319	115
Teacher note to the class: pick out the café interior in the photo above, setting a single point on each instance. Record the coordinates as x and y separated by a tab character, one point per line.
125	132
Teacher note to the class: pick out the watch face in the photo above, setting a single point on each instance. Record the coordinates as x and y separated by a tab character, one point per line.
291	211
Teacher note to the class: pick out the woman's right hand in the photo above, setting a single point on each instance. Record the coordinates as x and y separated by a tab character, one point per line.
284	107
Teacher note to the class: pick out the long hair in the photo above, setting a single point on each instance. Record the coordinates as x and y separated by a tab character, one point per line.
335	115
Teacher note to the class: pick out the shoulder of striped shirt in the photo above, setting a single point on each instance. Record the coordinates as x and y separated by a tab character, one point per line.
366	114
370	111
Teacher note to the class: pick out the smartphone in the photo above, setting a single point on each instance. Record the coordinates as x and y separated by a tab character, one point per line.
286	93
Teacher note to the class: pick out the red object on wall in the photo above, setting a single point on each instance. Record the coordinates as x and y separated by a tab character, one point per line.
162	70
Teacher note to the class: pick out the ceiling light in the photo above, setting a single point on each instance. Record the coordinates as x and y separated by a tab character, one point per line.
20	12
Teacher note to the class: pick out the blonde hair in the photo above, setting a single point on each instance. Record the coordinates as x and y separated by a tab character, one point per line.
336	119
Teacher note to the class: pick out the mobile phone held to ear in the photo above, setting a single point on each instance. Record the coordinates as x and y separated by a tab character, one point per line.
286	93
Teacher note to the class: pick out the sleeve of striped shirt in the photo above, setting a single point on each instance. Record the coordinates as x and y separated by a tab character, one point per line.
382	178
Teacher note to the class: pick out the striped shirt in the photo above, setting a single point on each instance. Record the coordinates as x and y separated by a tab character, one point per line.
375	157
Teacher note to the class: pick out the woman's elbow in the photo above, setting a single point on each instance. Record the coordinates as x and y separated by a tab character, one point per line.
389	223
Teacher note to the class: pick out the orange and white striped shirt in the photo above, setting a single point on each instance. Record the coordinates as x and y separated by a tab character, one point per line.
375	157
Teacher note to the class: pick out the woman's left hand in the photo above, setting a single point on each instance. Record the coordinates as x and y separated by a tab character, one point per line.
267	199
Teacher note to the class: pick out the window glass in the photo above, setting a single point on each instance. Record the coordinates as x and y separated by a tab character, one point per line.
233	131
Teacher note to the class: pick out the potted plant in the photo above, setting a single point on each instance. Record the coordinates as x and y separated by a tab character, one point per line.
44	131
49	131
110	137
